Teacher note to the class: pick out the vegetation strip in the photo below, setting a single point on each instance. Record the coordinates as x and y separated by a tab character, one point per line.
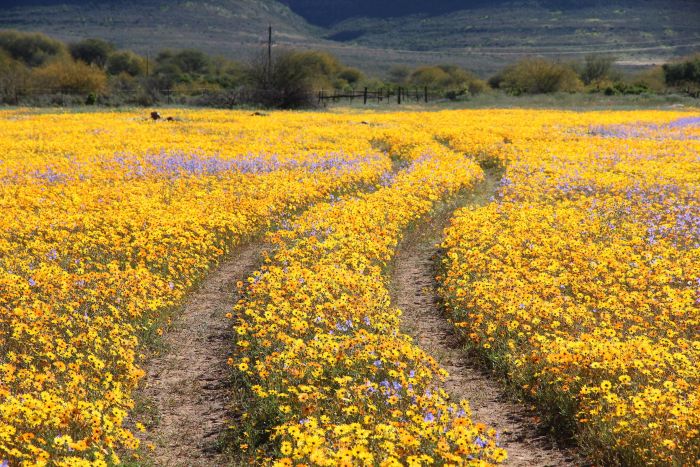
332	380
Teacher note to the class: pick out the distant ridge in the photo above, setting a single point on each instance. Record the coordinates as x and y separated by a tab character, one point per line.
376	34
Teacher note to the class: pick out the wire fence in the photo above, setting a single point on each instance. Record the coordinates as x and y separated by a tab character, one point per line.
399	95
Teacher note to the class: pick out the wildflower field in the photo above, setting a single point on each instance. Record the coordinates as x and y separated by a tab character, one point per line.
579	282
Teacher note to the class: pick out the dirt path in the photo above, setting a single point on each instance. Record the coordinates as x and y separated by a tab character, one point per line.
187	387
414	292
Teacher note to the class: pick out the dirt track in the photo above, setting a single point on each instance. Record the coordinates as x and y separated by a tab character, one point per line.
188	386
414	292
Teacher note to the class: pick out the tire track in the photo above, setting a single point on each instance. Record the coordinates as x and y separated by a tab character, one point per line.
188	386
414	292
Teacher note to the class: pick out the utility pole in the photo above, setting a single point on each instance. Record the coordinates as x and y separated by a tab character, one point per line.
269	54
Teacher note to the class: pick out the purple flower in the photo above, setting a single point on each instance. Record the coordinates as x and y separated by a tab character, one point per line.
480	442
430	418
685	122
4	464
32	283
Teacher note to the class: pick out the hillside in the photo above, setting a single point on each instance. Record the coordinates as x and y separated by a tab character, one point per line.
226	27
375	34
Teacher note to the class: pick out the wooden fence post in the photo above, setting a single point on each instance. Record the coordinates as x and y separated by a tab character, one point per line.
398	96
365	96
426	94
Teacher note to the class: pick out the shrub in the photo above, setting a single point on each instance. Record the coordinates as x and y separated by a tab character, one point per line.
430	76
126	62
596	68
70	77
457	80
13	78
684	75
653	79
351	75
539	76
399	74
289	81
620	87
477	86
91	51
441	76
33	49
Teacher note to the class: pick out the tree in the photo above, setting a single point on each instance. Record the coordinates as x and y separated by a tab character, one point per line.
91	51
32	49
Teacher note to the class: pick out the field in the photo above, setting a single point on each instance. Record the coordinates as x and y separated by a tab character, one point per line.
569	274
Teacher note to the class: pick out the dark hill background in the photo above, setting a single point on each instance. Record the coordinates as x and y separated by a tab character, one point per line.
376	34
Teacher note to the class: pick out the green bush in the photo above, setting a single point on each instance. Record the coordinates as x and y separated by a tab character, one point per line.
621	87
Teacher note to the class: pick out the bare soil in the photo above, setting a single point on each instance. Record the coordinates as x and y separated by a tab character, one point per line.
188	386
414	292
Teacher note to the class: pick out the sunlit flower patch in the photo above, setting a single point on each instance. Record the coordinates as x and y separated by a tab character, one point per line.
108	220
582	282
